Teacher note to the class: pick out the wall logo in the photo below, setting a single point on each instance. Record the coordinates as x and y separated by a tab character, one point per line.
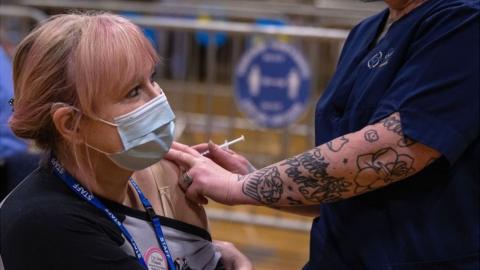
272	84
380	59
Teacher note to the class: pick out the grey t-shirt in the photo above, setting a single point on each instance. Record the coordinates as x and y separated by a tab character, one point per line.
190	246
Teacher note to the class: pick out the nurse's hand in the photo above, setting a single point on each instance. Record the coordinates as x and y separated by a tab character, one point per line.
204	178
232	258
226	158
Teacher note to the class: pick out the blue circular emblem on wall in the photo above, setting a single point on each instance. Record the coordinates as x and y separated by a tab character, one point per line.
272	84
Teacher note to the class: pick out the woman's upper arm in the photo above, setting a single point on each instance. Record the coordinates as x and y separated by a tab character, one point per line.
167	175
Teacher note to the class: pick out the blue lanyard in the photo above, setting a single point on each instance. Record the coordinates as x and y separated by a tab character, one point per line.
156	224
89	197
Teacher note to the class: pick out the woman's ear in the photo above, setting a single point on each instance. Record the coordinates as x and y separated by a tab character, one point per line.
66	123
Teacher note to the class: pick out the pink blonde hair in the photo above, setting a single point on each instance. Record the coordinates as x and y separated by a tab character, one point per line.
75	59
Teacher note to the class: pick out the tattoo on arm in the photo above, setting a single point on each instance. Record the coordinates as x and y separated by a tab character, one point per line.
381	168
326	174
393	124
318	186
405	142
337	144
293	202
371	136
265	186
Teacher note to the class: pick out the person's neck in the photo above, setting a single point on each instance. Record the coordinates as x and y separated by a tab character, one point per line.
102	177
399	9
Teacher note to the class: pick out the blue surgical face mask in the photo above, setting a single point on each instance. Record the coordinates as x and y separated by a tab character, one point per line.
146	134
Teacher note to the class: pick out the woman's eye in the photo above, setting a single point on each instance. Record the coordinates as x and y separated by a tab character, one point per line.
135	92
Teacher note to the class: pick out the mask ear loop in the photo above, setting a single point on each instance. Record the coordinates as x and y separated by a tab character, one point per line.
63	104
104	121
56	105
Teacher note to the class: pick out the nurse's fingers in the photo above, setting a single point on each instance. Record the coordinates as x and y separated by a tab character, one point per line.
181	158
200	147
176	145
194	195
185	148
199	199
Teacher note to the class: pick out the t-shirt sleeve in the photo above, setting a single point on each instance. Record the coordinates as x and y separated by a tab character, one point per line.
65	241
436	91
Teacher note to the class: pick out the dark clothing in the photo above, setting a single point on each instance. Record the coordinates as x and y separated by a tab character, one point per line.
426	68
45	225
14	169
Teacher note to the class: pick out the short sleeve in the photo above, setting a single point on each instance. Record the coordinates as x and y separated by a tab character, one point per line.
436	90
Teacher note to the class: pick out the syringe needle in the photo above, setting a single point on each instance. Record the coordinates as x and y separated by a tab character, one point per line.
227	144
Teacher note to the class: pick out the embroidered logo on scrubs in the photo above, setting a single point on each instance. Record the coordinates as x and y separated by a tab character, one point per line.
380	59
155	259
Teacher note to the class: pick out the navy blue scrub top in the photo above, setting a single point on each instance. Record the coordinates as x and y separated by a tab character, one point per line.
426	68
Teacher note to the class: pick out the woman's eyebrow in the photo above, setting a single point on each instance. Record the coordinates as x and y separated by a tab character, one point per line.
138	80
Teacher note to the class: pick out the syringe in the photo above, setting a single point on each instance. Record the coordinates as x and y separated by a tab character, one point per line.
227	144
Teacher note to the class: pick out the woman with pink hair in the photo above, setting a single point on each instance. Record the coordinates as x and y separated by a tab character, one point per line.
84	92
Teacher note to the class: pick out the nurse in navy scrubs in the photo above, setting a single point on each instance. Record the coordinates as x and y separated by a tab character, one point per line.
393	180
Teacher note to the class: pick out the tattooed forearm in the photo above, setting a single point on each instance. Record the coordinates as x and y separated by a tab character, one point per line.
353	164
371	136
293	202
381	168
393	124
405	142
337	144
316	185
265	185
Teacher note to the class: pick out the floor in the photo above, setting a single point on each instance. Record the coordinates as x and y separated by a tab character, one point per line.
268	247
